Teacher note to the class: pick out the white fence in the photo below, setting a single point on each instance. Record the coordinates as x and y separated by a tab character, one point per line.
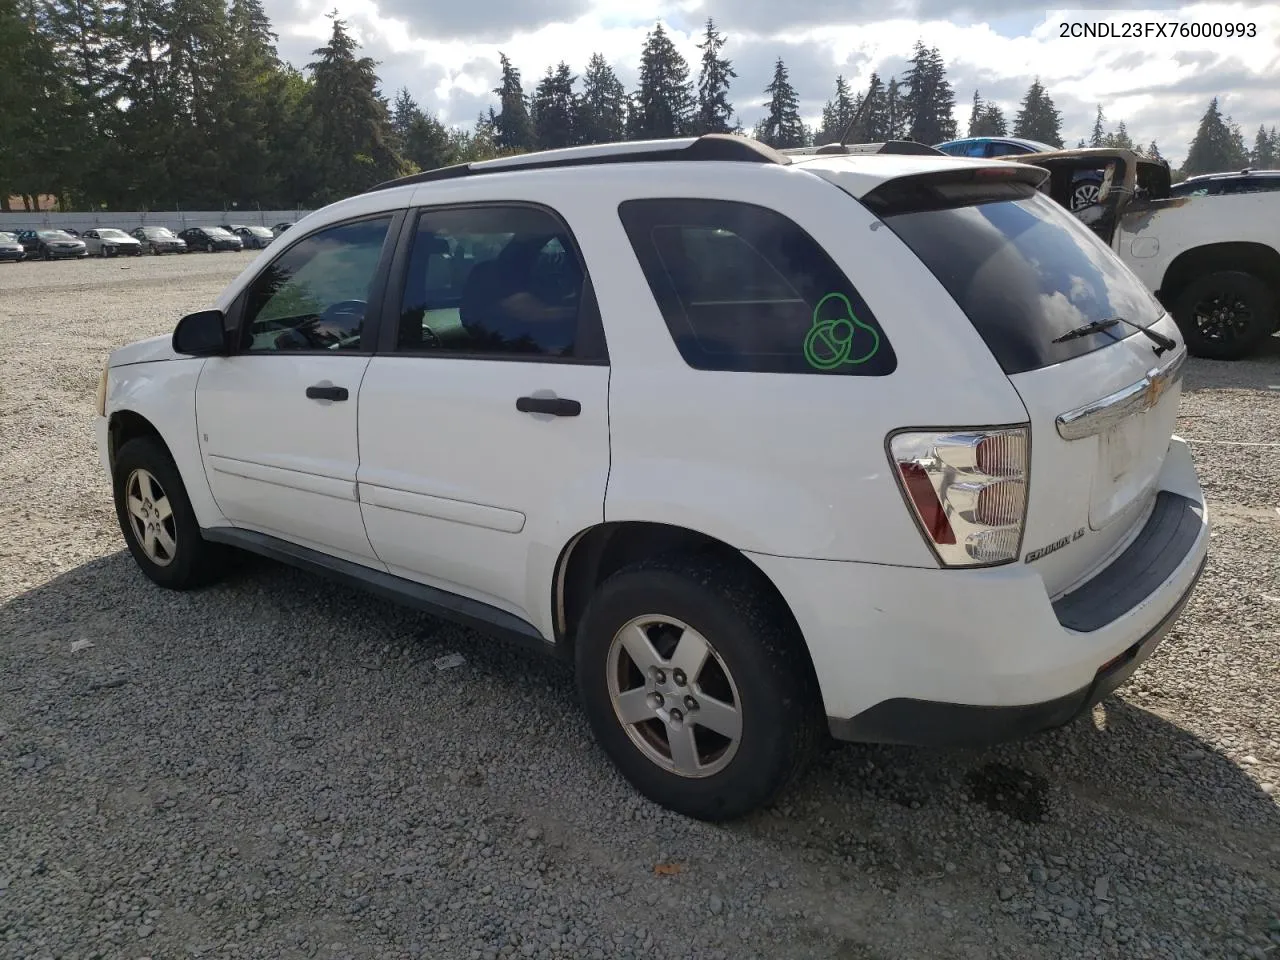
175	220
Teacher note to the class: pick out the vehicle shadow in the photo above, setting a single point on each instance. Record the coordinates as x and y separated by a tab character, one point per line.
296	674
1258	371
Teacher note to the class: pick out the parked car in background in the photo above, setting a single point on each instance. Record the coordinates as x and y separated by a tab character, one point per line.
10	248
159	240
210	239
1086	184
52	245
1216	184
110	242
280	228
1212	261
479	406
254	238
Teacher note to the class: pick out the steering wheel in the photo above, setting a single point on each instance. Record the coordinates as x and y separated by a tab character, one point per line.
344	306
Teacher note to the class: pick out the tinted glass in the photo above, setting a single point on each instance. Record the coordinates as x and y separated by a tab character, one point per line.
315	295
953	149
1025	271
997	149
492	281
1189	190
743	288
1251	185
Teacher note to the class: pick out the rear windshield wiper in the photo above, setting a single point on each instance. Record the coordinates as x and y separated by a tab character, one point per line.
1162	342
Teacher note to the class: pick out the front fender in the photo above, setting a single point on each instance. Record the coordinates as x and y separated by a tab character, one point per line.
164	394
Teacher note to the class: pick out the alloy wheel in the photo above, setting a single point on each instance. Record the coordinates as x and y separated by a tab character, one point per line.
1222	317
674	696
151	516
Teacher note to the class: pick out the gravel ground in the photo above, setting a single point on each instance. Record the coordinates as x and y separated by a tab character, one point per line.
276	767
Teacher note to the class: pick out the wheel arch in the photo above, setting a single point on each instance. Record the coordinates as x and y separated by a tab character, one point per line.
597	552
126	425
1249	256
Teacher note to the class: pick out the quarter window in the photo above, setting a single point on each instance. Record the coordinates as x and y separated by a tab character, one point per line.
496	281
316	294
743	288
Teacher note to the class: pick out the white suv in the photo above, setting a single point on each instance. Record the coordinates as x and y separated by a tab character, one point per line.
766	444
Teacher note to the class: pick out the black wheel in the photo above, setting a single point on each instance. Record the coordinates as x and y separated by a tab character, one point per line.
157	521
697	686
1225	315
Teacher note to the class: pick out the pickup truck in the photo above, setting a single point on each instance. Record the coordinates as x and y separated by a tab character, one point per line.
1212	261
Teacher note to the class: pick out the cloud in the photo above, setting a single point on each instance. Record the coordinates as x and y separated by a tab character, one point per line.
1159	86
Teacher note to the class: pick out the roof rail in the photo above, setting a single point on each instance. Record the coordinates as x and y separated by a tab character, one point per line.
708	147
902	147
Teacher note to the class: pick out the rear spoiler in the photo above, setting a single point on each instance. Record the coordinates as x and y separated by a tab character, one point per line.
900	147
962	187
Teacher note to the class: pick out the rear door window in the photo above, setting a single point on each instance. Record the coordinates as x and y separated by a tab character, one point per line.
1025	272
743	288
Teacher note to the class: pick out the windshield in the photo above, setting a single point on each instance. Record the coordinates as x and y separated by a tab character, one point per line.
260	231
53	235
1025	271
216	232
7	237
157	233
113	235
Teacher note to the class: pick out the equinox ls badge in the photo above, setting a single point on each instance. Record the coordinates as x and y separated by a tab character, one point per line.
1035	555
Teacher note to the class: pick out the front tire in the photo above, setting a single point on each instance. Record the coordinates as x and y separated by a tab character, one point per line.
1225	315
698	686
156	518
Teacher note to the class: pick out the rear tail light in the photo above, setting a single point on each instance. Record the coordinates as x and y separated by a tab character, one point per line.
967	489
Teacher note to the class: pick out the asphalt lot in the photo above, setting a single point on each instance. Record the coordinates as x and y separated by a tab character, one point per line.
276	767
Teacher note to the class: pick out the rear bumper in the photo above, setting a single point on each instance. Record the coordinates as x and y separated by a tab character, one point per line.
949	657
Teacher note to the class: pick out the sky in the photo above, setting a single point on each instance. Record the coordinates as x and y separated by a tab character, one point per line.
446	53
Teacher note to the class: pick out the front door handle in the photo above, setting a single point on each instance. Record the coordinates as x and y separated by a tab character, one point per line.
556	406
323	392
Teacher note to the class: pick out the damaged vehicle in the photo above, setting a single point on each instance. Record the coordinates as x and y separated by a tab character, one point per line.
1212	261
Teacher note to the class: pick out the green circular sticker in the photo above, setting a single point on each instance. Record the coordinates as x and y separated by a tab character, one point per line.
834	339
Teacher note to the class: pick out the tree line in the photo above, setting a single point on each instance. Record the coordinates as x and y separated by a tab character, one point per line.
160	104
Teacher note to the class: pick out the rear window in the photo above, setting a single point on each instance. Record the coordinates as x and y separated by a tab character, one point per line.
744	288
1024	271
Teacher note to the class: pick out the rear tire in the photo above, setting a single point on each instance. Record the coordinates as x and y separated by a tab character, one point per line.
1225	315
155	515
677	746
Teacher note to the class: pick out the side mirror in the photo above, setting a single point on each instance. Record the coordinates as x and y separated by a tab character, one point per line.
201	334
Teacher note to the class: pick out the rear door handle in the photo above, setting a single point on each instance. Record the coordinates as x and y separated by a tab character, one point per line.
321	392
556	406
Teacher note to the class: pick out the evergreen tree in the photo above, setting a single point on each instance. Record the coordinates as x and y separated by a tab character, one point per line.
874	122
714	111
602	108
986	119
420	139
782	127
554	107
895	111
1038	119
837	113
1263	156
930	101
1119	138
1153	151
351	121
1215	147
664	104
1098	138
513	128
975	115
